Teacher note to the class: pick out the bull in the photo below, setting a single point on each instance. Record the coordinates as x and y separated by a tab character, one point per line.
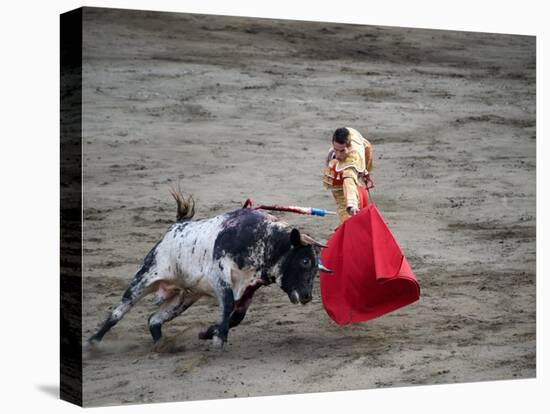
227	257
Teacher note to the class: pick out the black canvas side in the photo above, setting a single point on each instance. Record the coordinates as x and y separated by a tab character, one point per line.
71	207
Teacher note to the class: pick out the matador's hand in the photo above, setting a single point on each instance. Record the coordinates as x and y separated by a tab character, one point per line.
352	210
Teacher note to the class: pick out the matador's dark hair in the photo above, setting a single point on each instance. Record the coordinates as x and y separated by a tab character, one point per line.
341	136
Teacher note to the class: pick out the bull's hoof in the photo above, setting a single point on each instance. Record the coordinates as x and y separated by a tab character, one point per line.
91	344
217	343
91	348
204	335
207	334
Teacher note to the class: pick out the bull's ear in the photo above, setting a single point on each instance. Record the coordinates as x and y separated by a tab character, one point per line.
295	238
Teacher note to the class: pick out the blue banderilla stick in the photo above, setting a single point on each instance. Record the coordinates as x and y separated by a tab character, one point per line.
292	209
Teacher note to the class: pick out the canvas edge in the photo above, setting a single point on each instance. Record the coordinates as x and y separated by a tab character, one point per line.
71	380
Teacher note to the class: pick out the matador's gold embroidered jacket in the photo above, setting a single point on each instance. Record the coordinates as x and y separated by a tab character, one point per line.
342	177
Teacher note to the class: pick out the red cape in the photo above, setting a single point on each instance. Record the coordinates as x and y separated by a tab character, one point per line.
371	276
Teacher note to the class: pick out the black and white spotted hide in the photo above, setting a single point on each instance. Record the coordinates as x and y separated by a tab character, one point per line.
227	257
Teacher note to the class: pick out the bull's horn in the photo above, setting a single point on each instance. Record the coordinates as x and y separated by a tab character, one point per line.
305	239
322	268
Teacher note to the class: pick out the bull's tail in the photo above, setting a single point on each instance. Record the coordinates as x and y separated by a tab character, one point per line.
186	206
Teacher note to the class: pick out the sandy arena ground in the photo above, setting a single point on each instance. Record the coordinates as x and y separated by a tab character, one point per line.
235	108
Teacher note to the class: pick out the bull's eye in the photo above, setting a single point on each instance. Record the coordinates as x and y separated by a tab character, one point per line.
306	262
